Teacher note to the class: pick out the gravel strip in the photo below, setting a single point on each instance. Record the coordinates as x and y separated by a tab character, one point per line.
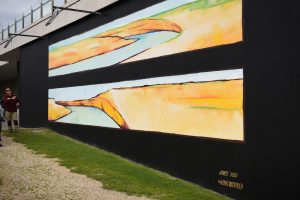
26	175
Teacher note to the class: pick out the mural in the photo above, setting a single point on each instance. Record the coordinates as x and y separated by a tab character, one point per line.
208	104
170	27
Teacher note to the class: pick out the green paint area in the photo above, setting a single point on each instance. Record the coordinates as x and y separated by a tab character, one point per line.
213	108
115	172
197	5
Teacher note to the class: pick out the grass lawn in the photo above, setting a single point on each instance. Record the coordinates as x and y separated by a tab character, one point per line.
114	172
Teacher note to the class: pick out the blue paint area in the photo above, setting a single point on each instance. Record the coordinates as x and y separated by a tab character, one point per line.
88	116
144	42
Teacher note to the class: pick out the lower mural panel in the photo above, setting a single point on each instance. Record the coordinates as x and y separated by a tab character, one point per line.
207	104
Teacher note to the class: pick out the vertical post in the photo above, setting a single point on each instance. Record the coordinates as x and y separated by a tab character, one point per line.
23	21
66	1
2	34
8	32
41	8
15	25
52	4
31	15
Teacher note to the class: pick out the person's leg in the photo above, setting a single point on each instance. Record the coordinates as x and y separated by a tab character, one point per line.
14	117
8	116
9	124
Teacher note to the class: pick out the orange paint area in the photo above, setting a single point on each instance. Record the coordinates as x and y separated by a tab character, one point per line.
56	111
85	49
210	109
141	27
101	103
106	42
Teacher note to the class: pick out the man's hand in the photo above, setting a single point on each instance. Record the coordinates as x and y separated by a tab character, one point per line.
14	97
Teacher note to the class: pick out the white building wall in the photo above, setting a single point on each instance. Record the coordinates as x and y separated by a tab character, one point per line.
64	18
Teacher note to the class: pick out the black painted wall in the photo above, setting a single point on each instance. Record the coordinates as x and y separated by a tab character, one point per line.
33	78
265	162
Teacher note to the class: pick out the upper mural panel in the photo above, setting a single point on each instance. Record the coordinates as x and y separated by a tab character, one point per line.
170	27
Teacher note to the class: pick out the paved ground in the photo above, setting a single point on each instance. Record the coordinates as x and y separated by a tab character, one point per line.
28	176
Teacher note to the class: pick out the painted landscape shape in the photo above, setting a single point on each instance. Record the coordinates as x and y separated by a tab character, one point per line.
208	104
170	27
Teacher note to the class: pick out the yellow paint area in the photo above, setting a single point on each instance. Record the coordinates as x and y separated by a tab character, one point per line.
212	109
209	109
219	95
56	111
201	28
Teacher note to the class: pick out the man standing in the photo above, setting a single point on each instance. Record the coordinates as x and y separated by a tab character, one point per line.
11	104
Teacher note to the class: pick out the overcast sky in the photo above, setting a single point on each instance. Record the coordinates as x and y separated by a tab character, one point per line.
9	9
